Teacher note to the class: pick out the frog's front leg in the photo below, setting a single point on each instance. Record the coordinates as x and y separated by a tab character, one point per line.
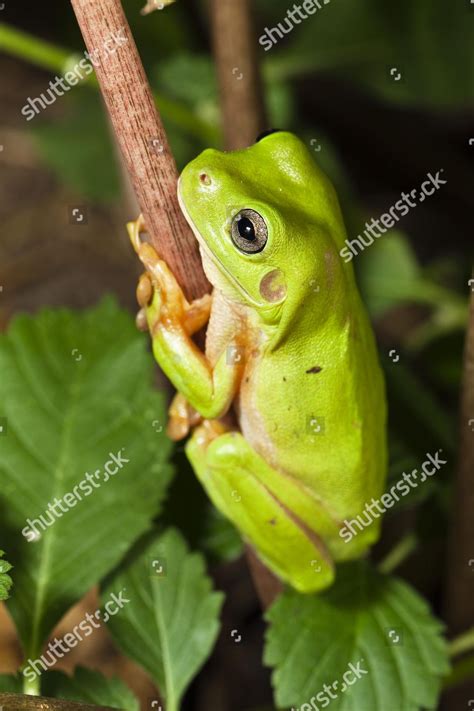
172	321
238	482
194	316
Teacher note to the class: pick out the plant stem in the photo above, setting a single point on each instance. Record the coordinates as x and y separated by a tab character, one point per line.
28	47
461	672
32	687
463	643
238	70
142	140
27	702
399	553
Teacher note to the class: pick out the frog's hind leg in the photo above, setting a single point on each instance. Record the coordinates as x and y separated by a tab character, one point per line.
239	482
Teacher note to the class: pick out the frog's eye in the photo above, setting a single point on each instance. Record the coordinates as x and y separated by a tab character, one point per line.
249	232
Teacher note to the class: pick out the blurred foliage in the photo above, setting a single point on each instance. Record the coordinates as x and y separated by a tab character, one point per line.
365	39
78	147
360	39
5	579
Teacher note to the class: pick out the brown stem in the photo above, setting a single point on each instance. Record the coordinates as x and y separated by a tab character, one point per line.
21	702
460	598
235	49
243	117
141	137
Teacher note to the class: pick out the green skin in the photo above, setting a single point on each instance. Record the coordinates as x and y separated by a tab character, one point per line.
305	382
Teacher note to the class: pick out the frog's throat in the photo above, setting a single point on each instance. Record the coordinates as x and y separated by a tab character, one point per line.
215	260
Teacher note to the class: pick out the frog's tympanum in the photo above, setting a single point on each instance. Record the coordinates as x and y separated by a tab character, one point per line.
289	354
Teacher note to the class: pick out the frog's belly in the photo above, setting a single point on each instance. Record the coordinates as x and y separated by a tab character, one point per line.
269	418
324	431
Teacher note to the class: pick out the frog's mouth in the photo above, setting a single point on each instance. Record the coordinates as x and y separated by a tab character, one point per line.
215	260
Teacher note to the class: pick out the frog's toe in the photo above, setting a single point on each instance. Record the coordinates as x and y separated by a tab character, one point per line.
140	320
153	312
144	290
226	451
182	417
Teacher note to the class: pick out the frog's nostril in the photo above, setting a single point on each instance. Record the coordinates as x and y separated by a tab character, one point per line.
205	179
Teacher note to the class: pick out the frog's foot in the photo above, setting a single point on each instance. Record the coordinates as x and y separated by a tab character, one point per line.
182	418
244	488
159	294
208	432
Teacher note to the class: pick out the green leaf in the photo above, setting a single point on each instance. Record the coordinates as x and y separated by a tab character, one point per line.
5	580
76	388
365	40
423	43
171	622
11	684
91	687
188	84
367	618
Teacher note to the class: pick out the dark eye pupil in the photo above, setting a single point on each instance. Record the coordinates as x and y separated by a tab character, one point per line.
249	231
246	229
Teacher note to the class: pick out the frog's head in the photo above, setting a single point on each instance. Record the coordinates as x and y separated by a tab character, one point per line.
267	221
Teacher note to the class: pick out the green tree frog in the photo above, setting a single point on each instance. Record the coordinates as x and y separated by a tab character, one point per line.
289	353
